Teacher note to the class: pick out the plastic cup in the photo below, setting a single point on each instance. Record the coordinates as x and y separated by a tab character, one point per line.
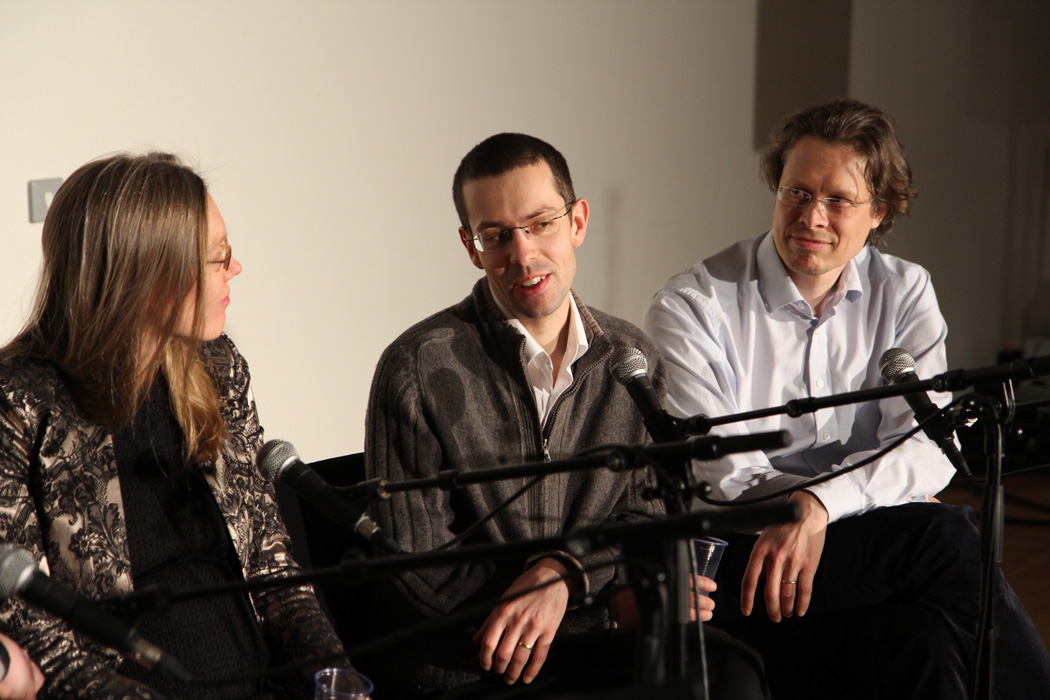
708	554
341	684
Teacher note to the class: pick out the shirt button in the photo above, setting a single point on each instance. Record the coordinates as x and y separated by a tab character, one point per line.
827	436
816	332
820	383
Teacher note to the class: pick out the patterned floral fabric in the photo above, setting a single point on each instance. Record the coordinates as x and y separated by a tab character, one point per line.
60	498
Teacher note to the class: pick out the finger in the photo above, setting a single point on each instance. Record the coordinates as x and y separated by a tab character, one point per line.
788	592
772	589
749	584
805	592
487	641
539	656
506	651
705	608
705	584
522	653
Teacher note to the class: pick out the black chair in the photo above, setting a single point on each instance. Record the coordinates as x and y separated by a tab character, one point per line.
319	543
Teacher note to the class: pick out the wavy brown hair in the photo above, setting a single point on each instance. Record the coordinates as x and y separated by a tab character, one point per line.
124	242
866	129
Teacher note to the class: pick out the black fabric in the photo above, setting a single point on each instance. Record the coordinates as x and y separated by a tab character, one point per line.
178	540
603	666
893	615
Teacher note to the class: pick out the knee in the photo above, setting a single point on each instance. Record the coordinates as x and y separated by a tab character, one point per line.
947	554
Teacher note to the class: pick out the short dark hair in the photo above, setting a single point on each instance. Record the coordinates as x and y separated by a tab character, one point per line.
869	131
502	153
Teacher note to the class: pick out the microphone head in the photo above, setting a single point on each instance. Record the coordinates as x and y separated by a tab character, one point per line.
275	456
15	564
628	363
894	362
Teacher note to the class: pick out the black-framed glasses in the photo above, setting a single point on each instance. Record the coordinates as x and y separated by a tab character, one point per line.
227	256
832	206
489	240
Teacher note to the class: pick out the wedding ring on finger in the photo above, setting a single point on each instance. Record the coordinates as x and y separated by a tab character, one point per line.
788	583
523	645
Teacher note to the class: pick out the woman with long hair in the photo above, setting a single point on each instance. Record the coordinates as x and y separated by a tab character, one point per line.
128	441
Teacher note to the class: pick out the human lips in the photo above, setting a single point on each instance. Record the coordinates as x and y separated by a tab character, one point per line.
809	242
533	284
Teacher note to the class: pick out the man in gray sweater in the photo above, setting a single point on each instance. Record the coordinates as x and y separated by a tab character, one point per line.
517	372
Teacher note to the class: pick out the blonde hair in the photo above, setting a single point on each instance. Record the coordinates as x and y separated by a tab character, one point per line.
124	241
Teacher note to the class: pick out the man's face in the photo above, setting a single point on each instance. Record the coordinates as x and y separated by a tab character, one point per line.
530	277
810	243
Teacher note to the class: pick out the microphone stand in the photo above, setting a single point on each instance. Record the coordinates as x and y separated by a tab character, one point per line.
993	402
658	575
577	542
995	407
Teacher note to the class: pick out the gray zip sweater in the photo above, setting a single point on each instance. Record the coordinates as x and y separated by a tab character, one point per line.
452	393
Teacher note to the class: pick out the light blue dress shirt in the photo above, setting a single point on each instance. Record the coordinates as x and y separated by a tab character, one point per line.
738	336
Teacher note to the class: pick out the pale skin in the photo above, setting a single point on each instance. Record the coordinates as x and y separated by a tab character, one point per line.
814	249
23	678
532	279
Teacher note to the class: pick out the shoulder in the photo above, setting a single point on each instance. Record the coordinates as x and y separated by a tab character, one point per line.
226	365
716	282
27	384
441	327
708	295
882	267
896	281
620	332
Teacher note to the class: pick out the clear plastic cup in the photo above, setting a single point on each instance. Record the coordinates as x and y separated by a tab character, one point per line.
341	684
708	553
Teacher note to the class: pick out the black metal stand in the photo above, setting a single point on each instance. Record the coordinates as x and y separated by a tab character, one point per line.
994	407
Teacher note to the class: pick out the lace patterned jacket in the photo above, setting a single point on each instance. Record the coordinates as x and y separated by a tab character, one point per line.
60	498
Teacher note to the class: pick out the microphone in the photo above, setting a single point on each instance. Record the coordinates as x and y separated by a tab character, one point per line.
897	365
19	575
279	460
630	368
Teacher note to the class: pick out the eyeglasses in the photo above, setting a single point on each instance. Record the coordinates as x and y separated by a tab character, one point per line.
227	256
832	206
542	226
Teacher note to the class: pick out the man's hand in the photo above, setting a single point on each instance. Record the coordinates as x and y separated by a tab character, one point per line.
787	556
520	631
23	677
624	605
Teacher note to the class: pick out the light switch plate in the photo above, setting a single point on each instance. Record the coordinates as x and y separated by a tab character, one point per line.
40	194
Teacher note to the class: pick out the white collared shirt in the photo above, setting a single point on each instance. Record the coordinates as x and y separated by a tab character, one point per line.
545	387
738	336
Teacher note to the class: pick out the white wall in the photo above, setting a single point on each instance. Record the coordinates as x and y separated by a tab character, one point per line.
329	132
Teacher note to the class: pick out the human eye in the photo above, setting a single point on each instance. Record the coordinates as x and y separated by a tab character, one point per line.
541	226
795	196
494	238
839	204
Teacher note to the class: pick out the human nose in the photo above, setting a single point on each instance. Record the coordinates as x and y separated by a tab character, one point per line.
522	246
813	214
235	268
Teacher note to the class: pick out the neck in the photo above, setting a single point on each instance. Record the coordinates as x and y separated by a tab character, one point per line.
552	333
816	290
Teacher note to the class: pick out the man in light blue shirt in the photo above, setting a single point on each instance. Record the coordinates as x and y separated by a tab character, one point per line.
806	310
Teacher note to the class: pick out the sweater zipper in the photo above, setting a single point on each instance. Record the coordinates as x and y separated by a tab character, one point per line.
545	430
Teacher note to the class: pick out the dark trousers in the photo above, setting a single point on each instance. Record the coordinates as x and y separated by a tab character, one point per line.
894	613
601	666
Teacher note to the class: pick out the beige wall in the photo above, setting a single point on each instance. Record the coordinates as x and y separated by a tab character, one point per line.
329	132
